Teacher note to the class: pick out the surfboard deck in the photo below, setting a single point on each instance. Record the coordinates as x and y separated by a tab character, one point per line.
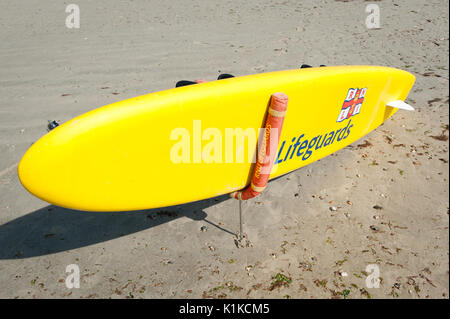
120	157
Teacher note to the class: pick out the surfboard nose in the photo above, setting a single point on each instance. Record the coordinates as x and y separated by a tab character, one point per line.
31	173
38	173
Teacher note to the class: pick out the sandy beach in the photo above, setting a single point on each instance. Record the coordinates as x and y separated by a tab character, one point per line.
381	201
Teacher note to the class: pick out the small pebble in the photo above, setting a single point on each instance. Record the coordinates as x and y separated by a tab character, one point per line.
377	207
374	228
203	228
52	124
397	285
333	208
344	274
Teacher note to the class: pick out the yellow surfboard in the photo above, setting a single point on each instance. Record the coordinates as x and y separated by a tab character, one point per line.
199	141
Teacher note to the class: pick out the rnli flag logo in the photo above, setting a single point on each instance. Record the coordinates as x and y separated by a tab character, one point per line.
352	104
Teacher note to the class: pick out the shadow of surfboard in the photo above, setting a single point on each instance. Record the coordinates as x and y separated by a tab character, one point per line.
54	229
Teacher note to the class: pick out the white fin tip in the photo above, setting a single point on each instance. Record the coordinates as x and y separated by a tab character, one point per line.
399	104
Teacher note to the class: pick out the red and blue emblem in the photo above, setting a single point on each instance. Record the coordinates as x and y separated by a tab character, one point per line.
352	104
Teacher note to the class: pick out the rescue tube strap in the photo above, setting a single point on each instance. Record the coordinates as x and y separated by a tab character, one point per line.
277	113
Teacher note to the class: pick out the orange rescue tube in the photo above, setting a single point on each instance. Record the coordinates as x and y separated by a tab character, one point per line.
268	149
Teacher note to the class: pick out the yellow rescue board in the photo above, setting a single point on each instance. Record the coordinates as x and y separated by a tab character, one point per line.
131	155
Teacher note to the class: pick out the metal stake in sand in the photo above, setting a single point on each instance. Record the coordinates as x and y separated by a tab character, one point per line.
266	154
240	220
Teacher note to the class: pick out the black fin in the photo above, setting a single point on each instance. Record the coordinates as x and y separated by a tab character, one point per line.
184	83
304	66
225	76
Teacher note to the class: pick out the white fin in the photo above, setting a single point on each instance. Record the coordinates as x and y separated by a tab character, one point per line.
399	104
